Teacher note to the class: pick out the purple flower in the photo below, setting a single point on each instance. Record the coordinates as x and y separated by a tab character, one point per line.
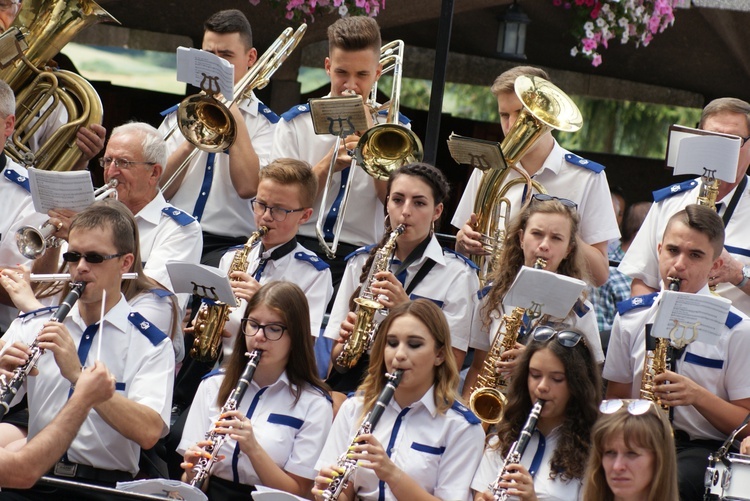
596	60
254	2
588	44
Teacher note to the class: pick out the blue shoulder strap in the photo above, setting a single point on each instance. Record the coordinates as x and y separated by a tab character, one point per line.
18	179
314	260
669	191
294	111
574	159
484	291
151	332
181	217
268	113
647	300
732	320
169	110
465	412
465	259
213	373
361	250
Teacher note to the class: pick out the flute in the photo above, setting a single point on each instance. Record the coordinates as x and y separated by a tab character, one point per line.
64	277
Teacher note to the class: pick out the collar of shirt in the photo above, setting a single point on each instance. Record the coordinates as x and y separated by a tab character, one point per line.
279	251
249	104
427	401
276	386
554	160
117	316
432	251
151	213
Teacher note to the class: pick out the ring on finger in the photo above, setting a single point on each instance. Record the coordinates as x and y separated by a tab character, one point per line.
242	425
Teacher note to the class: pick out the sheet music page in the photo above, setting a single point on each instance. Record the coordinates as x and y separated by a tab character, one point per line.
690	317
164	488
478	153
201	280
264	493
338	116
60	190
205	70
556	294
712	150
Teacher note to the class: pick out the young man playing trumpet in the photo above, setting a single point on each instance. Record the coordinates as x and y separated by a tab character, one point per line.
709	390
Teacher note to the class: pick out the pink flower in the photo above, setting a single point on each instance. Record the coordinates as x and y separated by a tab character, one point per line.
254	2
596	60
556	3
588	44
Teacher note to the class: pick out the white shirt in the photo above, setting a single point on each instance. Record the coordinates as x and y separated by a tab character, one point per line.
225	213
296	138
142	363
17	206
538	454
642	261
156	305
438	451
582	318
450	284
720	368
292	433
565	175
301	267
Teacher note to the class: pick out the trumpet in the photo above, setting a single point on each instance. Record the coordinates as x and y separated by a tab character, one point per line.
381	150
33	242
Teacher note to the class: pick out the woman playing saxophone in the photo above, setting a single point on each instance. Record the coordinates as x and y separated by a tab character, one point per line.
273	440
426	445
418	267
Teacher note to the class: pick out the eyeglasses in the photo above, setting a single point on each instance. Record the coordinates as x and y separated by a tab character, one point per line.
120	163
277	213
273	332
6	5
635	407
744	140
543	197
90	257
567	338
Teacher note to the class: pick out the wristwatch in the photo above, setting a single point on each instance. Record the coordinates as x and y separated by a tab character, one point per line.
745	276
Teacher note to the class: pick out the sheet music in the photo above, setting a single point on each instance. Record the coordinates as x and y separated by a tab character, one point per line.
60	190
201	280
685	317
338	116
690	151
205	70
555	294
478	153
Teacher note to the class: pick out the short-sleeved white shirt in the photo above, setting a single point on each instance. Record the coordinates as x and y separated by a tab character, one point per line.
292	433
438	451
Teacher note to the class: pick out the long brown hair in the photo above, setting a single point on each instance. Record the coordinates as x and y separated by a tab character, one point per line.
289	302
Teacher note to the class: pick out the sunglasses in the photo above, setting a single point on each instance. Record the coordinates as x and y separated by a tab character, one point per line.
543	197
635	407
565	337
90	257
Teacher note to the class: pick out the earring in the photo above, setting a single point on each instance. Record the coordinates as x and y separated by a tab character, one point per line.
387	223
432	227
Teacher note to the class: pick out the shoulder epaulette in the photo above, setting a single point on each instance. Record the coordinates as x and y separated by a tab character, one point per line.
213	373
36	313
295	111
361	250
17	178
268	113
669	191
314	260
181	217
169	110
438	302
151	332
574	159
162	292
580	308
402	119
732	320
465	412
461	256
645	301
324	393
484	291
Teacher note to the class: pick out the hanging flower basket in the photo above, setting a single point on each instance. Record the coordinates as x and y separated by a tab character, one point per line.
306	10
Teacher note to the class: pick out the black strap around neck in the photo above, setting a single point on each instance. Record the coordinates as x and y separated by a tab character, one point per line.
414	255
734	201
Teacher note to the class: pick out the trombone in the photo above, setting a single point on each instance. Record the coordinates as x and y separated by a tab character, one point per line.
33	242
381	150
206	121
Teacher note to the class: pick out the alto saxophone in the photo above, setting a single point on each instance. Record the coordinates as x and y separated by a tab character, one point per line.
203	468
213	315
363	334
709	191
487	399
349	466
516	452
8	389
658	360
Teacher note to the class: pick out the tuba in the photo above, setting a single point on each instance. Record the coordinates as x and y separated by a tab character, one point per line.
545	107
213	315
367	304
381	150
49	25
487	399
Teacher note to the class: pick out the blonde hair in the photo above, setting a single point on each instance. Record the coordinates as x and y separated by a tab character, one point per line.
288	172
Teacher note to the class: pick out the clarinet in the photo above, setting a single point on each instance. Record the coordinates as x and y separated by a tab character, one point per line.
203	468
341	482
8	389
516	452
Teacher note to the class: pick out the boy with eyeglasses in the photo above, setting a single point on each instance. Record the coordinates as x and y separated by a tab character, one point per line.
709	390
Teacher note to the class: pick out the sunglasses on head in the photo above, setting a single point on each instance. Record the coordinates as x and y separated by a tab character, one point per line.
565	337
543	197
635	407
90	257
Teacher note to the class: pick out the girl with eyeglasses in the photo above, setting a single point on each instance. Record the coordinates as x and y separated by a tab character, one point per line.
427	444
557	367
419	268
277	432
632	454
547	228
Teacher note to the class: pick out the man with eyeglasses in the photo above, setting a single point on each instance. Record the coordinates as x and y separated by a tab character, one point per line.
101	327
707	390
216	187
729	116
561	173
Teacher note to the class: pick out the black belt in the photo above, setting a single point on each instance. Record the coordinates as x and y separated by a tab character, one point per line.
66	469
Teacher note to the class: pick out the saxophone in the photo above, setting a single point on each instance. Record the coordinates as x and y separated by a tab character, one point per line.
363	334
8	389
487	398
709	189
516	452
349	466
203	468
658	360
213	315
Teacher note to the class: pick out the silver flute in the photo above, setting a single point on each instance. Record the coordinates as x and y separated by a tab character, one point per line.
64	277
